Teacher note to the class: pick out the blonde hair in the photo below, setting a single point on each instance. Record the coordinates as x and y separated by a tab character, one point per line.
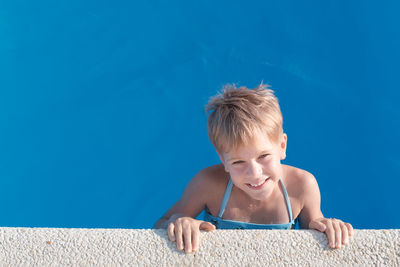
238	113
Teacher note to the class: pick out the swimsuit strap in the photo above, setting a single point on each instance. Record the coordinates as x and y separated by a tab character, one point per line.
289	207
228	194
226	198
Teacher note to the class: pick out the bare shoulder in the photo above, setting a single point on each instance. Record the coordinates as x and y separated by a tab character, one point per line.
298	182
211	178
201	190
212	181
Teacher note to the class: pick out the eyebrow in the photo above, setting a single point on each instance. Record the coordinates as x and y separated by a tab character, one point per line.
259	153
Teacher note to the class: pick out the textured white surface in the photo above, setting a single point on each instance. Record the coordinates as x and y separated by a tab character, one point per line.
83	247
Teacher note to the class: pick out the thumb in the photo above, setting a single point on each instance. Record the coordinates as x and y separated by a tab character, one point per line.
317	226
207	226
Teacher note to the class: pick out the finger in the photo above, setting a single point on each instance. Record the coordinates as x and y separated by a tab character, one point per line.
171	233
207	226
195	239
330	233
350	228
345	234
317	226
338	233
178	236
187	237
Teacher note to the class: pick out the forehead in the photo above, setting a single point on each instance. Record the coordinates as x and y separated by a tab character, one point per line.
258	144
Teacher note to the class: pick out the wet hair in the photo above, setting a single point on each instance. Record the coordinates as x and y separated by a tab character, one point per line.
238	113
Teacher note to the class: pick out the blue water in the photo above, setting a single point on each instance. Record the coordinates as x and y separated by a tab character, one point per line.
101	104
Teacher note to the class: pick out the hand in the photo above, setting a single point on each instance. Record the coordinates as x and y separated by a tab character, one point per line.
337	231
186	232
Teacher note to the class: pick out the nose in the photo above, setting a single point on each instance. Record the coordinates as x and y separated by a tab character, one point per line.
254	170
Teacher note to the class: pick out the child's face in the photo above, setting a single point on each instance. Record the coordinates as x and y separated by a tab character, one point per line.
256	168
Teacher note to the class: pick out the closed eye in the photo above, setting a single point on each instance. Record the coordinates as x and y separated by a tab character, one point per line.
238	162
263	156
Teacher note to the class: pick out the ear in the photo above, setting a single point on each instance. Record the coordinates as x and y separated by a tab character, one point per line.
222	161
283	145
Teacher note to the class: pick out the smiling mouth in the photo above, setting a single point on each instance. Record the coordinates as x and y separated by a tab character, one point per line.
259	185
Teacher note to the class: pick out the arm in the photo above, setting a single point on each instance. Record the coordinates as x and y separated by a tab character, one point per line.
179	219
311	216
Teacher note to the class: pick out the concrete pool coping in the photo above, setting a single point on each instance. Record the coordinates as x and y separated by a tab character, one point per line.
149	247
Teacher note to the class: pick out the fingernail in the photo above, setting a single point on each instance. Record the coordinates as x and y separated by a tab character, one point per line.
346	240
338	245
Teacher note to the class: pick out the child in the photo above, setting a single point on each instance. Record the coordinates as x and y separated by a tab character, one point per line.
250	189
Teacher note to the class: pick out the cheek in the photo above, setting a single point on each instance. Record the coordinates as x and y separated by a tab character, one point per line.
271	165
276	167
274	163
234	172
237	180
268	164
